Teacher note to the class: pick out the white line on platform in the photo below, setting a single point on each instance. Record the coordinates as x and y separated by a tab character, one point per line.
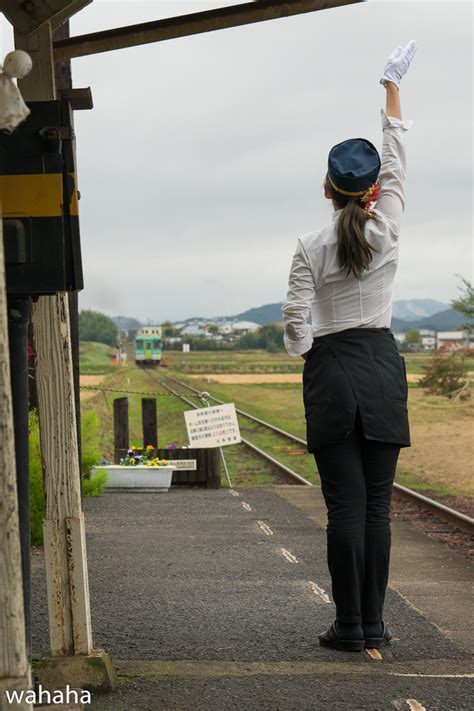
233	492
246	506
374	654
435	676
265	528
415	705
320	592
289	556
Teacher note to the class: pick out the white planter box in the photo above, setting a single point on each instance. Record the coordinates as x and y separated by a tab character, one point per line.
137	477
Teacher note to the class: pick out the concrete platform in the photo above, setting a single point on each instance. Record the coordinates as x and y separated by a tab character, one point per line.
214	599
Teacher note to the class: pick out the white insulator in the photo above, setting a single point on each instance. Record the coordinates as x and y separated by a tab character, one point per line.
17	64
13	110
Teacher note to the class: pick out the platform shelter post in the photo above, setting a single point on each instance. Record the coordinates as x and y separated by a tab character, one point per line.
64	534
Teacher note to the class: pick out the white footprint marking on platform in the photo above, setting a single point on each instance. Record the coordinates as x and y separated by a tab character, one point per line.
246	506
233	492
374	654
415	705
412	704
265	528
320	592
289	556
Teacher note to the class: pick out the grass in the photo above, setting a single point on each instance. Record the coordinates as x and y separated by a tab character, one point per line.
96	358
95	485
251	361
257	361
90	425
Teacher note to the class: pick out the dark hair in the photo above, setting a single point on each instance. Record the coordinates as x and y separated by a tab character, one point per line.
354	252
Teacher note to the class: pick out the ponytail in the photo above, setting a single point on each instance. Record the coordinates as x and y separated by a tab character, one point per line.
354	252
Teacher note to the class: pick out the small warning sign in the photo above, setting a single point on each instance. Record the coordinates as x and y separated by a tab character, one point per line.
214	426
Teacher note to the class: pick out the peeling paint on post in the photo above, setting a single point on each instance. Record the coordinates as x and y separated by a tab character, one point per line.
64	538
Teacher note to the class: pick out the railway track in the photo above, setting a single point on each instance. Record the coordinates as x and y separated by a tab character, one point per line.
451	516
261	453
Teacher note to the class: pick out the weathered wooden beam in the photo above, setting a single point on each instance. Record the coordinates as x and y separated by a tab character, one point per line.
38	85
185	25
15	673
28	16
70	624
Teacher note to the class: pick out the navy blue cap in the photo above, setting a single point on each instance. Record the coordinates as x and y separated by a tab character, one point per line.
353	166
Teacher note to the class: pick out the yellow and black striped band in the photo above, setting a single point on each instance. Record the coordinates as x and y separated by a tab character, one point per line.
36	195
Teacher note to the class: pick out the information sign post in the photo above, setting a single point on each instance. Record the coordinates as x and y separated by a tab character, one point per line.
213	426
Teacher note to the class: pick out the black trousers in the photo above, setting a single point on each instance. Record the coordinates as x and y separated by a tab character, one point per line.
356	478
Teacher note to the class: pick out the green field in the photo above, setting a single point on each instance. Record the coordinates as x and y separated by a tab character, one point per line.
96	358
439	460
256	361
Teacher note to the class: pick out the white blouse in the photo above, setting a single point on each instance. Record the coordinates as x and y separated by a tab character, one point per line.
316	280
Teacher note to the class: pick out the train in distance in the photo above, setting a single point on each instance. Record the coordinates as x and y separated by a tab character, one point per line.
149	346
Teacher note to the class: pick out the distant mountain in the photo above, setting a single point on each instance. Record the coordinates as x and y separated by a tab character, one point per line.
407	313
414	309
448	320
270	313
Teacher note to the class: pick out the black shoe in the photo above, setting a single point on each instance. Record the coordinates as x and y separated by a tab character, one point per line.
331	639
377	642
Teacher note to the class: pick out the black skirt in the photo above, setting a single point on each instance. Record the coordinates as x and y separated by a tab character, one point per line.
358	369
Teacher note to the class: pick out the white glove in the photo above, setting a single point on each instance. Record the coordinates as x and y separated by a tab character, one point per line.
398	63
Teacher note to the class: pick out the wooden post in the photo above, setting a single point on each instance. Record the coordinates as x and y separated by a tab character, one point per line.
121	433
149	422
213	469
64	535
15	672
63	80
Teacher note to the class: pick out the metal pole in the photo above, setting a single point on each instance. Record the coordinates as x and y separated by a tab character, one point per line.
225	468
19	313
204	396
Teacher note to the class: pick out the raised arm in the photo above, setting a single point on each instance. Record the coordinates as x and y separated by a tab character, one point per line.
392	104
391	201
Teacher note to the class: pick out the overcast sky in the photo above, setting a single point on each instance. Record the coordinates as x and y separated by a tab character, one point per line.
203	158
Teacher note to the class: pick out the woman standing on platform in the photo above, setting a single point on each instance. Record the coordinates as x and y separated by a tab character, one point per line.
354	380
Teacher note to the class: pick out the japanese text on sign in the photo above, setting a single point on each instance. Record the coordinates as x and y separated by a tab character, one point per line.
214	426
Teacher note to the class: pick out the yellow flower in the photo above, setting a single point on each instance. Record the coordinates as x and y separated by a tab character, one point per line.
150	446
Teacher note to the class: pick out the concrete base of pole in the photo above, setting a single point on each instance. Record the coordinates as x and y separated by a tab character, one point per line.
93	672
11	684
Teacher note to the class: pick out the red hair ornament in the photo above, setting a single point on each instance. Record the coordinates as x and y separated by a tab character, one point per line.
371	195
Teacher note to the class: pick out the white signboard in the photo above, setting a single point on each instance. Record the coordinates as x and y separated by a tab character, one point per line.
214	426
186	347
186	464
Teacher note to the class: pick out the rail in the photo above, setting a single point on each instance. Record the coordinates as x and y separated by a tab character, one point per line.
456	518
